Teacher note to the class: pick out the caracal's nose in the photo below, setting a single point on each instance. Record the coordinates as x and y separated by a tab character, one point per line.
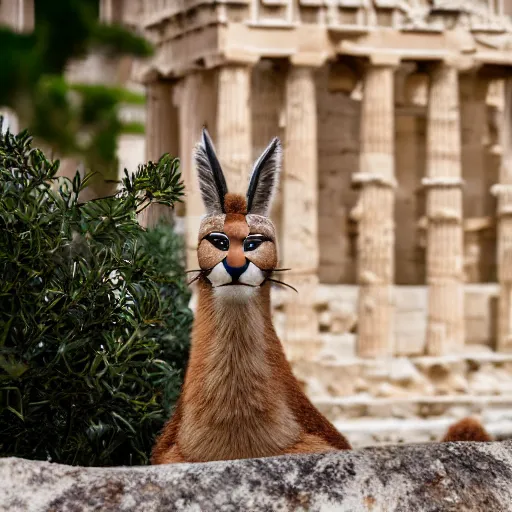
235	272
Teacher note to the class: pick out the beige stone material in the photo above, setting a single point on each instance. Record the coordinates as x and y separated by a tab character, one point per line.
445	330
190	122
18	15
234	125
300	222
375	214
389	113
503	191
416	89
342	78
162	134
268	119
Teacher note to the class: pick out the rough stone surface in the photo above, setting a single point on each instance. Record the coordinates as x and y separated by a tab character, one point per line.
434	477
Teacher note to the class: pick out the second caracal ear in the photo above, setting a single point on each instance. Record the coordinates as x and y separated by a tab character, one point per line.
212	183
264	180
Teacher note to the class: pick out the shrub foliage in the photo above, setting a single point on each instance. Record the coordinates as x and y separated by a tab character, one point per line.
93	312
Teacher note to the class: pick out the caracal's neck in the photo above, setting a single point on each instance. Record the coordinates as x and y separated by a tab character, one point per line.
229	401
231	319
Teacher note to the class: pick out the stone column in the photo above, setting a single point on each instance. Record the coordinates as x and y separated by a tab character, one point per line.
300	213
233	138
162	136
111	11
445	324
191	121
503	191
374	213
162	131
17	14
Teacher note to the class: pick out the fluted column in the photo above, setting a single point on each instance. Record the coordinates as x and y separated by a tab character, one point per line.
503	191
191	121
111	11
300	212
374	213
17	14
162	136
445	325
234	136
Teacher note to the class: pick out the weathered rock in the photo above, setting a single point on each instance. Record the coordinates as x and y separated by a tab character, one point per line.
430	477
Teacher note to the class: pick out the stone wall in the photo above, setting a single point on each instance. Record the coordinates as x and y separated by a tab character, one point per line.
410	198
338	159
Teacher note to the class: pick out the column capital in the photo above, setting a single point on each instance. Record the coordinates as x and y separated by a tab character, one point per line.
388	59
460	62
379	60
375	57
309	59
239	57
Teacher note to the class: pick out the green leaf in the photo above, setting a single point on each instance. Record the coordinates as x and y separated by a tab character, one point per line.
94	322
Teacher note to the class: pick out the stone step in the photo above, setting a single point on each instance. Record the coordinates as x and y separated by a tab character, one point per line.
419	407
364	432
473	373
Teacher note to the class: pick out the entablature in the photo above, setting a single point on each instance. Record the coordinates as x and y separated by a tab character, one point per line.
487	16
196	34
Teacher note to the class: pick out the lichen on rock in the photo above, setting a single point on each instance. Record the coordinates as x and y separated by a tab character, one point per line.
421	477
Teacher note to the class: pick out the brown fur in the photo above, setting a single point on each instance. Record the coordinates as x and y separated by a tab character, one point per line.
309	443
235	203
240	398
237	229
467	429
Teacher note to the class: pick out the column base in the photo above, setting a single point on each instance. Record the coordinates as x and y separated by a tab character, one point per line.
154	214
504	342
375	334
301	335
445	326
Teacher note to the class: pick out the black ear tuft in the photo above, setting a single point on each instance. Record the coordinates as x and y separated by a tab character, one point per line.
264	180
212	183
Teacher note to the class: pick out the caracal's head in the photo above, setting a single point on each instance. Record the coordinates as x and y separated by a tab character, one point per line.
237	249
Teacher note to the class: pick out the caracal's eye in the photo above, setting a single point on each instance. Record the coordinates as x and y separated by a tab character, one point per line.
252	242
218	240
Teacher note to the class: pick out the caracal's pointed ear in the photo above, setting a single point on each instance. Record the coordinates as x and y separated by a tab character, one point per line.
264	180
212	183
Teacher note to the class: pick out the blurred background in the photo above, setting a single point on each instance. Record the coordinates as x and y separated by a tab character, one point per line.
395	203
